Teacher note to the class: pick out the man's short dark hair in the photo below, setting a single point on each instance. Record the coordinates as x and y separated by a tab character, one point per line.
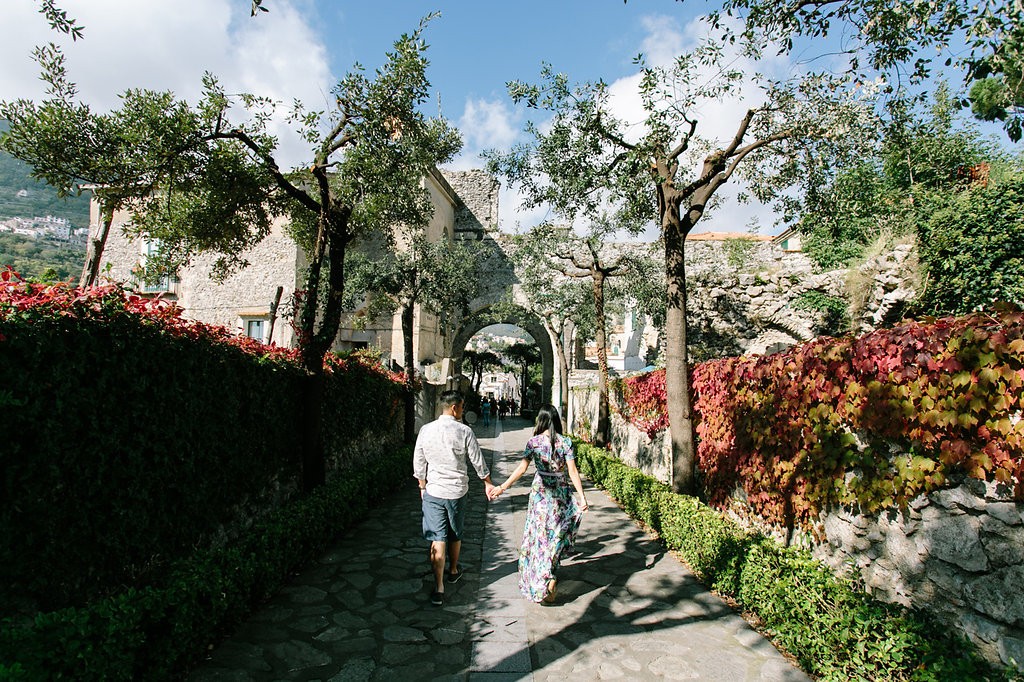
450	398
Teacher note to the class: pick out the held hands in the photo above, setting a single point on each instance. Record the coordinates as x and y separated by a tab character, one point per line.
494	492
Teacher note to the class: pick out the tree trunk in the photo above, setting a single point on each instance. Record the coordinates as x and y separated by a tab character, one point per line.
408	310
563	365
524	379
314	470
677	371
603	412
91	270
275	304
332	239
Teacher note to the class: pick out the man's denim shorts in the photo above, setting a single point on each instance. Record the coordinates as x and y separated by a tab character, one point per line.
443	519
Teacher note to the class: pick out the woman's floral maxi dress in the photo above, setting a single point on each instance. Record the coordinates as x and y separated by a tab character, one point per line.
552	517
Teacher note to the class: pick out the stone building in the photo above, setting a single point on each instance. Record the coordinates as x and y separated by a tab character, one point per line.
247	302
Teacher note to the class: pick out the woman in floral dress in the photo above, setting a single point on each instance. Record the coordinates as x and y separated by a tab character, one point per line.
553	515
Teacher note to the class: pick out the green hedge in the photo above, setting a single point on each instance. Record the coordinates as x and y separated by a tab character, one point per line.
835	631
155	633
123	444
132	439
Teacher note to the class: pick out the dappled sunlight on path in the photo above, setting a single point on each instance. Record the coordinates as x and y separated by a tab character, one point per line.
625	608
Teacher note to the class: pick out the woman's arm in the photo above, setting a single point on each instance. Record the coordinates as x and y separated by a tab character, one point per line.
524	464
574	475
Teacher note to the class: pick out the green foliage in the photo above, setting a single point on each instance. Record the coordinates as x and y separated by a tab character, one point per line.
835	631
901	40
834	308
440	275
924	155
972	248
157	631
133	437
41	259
738	251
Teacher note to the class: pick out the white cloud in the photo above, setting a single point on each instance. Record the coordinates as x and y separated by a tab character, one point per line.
162	45
489	124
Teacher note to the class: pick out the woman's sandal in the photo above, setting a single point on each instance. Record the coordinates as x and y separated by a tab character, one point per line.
552	591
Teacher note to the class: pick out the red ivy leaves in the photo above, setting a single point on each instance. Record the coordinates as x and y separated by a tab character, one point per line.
642	401
801	430
27	301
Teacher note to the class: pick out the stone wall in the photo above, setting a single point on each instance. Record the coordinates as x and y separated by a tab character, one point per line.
957	553
750	298
478	191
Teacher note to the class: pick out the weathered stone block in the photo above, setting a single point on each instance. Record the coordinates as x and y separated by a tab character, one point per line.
1011	651
952	538
958	497
1000	595
1009	513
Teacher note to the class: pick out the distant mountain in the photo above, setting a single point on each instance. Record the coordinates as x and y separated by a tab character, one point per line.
23	197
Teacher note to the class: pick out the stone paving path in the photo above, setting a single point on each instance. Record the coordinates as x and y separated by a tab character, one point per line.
625	608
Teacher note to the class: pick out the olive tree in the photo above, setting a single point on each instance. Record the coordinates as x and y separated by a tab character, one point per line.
558	253
561	304
439	276
207	177
587	160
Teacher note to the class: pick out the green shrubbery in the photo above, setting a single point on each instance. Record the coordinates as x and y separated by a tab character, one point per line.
834	630
149	478
133	437
155	632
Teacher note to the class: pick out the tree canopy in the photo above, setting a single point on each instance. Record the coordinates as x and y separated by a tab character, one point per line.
586	162
905	39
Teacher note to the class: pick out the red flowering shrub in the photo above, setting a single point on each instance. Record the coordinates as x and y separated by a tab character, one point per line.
26	301
872	421
641	400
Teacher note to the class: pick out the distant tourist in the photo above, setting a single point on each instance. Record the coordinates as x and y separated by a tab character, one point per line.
553	515
485	411
444	447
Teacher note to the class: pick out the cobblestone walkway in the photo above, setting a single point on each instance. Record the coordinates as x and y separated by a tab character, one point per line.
625	608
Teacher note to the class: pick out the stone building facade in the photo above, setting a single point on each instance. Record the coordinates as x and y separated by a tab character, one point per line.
465	205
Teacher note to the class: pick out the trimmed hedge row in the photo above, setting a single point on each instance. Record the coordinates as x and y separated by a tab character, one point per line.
835	631
156	632
134	437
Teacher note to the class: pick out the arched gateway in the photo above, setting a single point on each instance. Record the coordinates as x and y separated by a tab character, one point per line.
475	220
247	302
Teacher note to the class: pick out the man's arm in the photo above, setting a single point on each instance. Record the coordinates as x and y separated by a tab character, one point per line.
476	457
419	463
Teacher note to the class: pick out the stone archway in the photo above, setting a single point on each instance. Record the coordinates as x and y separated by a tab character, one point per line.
484	317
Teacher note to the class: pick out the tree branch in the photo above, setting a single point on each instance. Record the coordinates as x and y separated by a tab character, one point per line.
271	165
685	142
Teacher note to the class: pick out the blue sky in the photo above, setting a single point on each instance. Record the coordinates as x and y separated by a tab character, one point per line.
301	47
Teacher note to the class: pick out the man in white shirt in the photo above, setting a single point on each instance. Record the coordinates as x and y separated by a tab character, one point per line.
443	448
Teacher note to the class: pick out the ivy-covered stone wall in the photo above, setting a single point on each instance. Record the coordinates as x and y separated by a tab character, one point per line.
898	455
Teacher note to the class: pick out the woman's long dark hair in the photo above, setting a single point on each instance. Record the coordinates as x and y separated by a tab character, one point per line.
548	421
